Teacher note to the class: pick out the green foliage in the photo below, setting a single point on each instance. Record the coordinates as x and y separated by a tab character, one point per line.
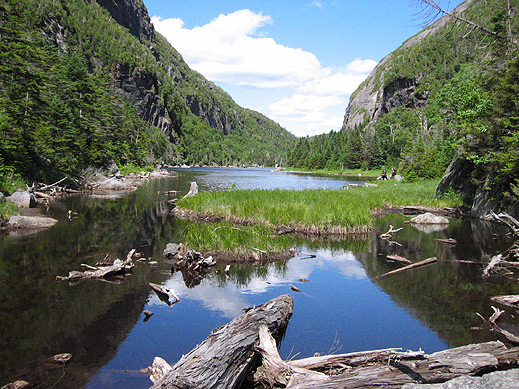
62	109
131	168
465	102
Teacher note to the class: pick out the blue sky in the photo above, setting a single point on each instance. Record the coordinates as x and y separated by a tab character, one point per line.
296	61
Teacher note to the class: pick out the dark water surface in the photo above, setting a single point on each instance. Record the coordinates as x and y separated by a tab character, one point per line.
343	308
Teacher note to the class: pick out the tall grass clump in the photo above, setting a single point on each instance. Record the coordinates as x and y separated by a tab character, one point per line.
321	208
229	239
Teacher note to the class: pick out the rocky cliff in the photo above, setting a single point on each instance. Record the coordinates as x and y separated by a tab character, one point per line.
133	15
381	92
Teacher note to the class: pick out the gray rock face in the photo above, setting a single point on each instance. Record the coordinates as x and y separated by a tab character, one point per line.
133	15
429	218
508	379
372	99
2	198
23	199
30	222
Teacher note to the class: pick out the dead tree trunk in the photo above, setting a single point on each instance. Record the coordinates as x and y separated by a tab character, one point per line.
227	355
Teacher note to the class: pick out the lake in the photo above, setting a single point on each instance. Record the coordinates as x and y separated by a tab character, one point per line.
343	308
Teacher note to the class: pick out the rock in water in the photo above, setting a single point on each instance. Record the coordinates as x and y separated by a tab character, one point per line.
429	218
23	199
171	250
30	222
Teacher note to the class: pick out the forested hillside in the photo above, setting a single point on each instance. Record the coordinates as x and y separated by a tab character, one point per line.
84	82
450	91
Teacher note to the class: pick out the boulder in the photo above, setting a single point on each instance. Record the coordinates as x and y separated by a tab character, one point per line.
2	198
171	250
23	199
429	218
30	222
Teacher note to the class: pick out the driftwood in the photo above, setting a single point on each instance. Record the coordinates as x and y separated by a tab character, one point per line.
389	234
412	266
449	241
52	185
509	300
193	190
398	258
491	321
227	355
380	367
164	294
498	265
506	219
116	269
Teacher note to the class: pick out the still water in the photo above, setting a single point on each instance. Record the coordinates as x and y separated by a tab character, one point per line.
343	308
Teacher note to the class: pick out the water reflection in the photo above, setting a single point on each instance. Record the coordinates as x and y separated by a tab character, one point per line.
227	294
102	325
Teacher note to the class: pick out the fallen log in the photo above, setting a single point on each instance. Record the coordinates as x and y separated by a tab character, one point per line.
412	266
227	355
380	367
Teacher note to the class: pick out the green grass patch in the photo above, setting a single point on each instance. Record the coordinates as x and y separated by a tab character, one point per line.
131	168
323	208
234	240
8	209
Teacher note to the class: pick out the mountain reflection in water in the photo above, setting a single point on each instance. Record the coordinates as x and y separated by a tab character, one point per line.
344	307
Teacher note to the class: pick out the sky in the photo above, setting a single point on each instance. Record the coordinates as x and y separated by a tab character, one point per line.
295	61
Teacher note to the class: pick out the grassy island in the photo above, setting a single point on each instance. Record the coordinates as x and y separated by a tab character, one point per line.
319	211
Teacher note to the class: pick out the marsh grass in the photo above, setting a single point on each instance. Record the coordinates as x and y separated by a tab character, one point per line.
228	239
323	209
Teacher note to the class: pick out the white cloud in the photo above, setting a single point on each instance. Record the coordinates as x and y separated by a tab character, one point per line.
233	49
226	50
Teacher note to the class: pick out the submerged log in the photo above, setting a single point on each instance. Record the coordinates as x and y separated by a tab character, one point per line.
227	355
412	266
398	258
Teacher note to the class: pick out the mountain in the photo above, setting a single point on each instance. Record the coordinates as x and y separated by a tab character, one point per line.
85	82
446	97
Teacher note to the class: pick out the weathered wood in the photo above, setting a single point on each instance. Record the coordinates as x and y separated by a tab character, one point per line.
493	263
327	362
491	321
389	234
508	300
164	294
116	269
412	266
52	185
193	190
381	367
275	371
398	258
449	241
227	355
